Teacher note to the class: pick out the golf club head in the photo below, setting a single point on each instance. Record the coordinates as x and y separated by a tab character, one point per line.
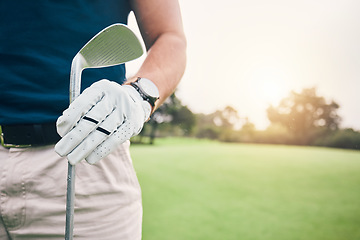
112	46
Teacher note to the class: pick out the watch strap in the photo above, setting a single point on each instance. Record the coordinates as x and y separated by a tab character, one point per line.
143	94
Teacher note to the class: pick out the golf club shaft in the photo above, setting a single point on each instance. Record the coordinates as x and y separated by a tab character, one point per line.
70	198
75	82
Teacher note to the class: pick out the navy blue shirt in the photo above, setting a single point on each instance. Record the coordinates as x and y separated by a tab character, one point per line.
38	40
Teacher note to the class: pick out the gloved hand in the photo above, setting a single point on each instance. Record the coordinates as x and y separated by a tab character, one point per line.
105	115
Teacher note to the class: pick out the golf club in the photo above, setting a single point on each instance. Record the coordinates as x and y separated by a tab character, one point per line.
113	45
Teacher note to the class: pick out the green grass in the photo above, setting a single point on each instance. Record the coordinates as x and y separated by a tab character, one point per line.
203	190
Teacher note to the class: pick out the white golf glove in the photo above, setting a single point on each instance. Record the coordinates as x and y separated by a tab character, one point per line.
105	115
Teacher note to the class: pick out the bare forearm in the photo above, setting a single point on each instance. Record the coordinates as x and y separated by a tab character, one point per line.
165	64
161	28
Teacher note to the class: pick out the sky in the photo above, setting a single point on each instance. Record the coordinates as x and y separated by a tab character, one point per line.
251	54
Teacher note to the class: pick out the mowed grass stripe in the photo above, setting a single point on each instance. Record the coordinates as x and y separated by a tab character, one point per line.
197	190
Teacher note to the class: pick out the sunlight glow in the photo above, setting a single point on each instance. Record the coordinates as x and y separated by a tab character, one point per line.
270	82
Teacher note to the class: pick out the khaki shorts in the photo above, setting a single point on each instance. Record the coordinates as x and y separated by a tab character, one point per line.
33	196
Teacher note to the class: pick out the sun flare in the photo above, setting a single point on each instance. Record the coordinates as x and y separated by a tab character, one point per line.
270	83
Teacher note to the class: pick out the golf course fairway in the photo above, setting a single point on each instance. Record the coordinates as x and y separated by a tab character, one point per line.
207	190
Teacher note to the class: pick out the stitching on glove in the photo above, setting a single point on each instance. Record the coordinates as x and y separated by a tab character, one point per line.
90	120
100	129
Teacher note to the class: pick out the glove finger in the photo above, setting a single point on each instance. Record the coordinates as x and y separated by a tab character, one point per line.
78	108
96	137
123	133
74	137
85	126
86	147
100	111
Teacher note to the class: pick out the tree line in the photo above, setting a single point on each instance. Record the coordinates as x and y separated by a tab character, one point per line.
301	118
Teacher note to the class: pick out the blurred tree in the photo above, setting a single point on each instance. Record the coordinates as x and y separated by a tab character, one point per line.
184	118
171	112
302	113
205	127
247	131
227	118
218	125
341	138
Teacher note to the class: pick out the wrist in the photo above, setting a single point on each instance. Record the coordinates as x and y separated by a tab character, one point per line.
147	90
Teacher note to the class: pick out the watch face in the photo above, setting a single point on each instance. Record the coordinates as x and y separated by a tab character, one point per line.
149	87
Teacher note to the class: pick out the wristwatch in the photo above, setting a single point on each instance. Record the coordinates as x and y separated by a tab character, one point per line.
147	90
